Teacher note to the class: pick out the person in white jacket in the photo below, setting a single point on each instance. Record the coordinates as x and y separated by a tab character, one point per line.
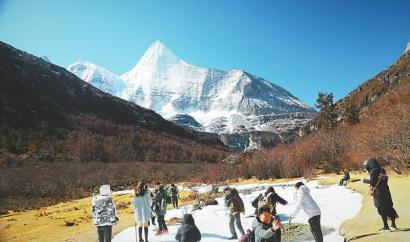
142	202
305	202
104	213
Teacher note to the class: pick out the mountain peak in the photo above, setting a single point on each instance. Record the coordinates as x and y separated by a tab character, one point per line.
158	53
408	47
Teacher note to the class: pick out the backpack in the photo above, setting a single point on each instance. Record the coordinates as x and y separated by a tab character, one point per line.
249	236
265	201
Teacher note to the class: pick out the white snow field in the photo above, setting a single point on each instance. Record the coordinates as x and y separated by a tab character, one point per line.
337	205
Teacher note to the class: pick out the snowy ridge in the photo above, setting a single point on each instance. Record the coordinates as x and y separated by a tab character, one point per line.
220	101
98	77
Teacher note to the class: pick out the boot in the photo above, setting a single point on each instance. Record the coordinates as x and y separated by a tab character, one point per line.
393	225
140	234
146	233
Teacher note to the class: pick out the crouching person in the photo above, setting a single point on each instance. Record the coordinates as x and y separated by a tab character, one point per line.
104	213
305	202
266	227
188	232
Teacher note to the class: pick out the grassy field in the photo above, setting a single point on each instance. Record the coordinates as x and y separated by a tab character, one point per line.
365	225
51	223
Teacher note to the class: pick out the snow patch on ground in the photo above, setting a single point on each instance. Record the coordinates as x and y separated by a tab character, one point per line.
337	204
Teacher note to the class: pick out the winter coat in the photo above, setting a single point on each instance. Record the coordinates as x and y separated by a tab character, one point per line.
382	196
234	202
103	207
160	202
274	198
264	233
174	192
305	202
142	208
346	175
188	232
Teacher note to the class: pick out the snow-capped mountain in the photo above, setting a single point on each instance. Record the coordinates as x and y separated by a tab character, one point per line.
98	77
220	101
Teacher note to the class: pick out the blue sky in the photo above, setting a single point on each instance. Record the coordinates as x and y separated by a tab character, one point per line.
303	46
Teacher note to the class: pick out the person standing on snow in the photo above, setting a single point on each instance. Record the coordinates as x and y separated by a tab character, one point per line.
266	227
235	205
142	209
174	195
160	208
104	213
270	199
380	191
305	202
188	232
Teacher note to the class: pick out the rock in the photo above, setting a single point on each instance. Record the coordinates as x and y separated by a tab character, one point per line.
69	223
122	205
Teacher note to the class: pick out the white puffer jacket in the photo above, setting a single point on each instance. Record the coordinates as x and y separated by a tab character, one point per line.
305	202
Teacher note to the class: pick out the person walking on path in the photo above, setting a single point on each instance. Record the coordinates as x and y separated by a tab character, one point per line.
104	213
142	209
305	202
380	191
235	205
188	232
160	208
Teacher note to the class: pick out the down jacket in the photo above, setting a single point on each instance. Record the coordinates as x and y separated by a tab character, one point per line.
104	211
305	202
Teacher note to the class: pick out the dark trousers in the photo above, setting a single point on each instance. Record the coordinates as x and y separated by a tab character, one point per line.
341	183
153	220
161	223
235	219
315	228
104	233
175	202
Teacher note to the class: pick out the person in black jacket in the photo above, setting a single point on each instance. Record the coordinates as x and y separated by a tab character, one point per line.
174	195
380	191
188	232
346	177
274	198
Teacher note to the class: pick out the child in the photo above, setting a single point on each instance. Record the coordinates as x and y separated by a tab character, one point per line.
188	232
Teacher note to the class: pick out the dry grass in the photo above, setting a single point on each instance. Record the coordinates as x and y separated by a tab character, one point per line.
364	226
49	224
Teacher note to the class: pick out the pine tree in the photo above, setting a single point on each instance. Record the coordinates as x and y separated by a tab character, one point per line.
327	115
350	113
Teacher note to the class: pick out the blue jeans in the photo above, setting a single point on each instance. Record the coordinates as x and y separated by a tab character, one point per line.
235	218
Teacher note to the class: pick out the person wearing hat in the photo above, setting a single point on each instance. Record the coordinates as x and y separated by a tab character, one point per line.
380	191
104	213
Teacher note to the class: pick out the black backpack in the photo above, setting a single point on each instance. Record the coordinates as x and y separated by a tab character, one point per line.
249	236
